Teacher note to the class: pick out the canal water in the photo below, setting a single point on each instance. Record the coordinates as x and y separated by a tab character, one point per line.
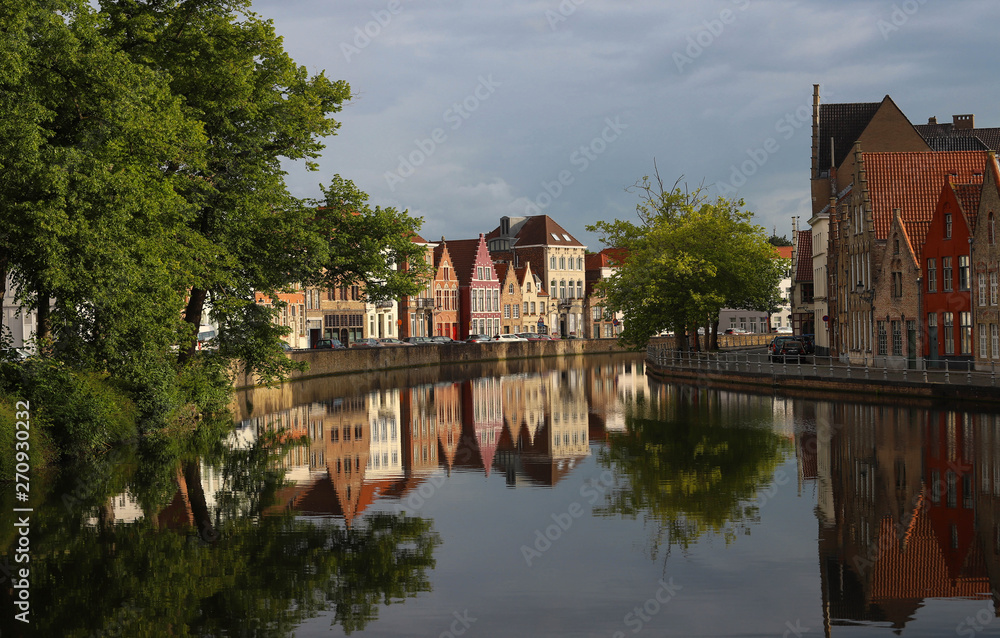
564	497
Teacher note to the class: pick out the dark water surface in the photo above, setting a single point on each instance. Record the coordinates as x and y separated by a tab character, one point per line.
565	497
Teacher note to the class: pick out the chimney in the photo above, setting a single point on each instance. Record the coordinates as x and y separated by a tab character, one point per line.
963	122
932	119
815	132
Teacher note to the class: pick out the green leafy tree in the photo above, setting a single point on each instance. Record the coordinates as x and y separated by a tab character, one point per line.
688	257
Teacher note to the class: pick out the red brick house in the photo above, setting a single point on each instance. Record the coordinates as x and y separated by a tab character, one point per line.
478	287
445	293
292	315
948	266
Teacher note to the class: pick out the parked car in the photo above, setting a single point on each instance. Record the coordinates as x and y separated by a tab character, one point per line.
390	341
737	331
285	347
775	344
503	338
532	336
370	342
789	349
809	341
442	339
478	339
783	330
418	341
330	344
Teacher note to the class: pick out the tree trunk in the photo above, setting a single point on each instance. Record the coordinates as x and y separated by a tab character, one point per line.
192	315
715	334
199	504
42	332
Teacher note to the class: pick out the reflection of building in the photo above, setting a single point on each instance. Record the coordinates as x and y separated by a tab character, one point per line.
385	450
610	388
899	525
482	422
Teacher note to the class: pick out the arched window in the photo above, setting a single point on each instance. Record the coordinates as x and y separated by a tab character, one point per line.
511	289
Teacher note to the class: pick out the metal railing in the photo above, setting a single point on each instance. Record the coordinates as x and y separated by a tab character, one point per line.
919	370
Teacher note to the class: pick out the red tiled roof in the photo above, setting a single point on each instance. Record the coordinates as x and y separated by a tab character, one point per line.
463	256
968	198
804	267
539	230
607	258
783	252
912	182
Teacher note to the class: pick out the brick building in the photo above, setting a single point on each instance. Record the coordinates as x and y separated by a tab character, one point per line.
416	313
986	262
445	293
510	300
534	299
291	315
558	259
478	288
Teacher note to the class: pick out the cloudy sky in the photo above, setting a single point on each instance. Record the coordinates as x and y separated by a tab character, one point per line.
466	111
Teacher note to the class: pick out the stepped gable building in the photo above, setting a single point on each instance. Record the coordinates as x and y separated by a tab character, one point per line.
883	182
947	262
557	258
985	258
478	287
510	299
534	299
445	293
880	127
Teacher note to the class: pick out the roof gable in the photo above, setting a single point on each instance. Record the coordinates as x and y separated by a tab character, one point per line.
840	125
539	230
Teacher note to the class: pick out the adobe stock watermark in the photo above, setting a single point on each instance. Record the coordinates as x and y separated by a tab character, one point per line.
454	116
796	630
592	490
458	626
364	35
707	35
972	625
786	127
418	498
900	15
581	159
641	614
565	9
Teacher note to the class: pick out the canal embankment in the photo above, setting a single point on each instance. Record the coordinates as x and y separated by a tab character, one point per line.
324	363
823	377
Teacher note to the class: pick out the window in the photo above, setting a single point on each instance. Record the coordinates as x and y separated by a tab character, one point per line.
552	263
553	288
965	320
963	272
895	245
595	313
579	263
897	338
510	289
931	275
506	311
947	226
982	289
992	238
562	263
579	288
881	338
897	284
993	288
983	348
479	272
562	289
994	341
532	307
489	272
948	325
517	311
525	307
946	276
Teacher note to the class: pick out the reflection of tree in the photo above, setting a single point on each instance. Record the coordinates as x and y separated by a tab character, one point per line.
691	472
259	578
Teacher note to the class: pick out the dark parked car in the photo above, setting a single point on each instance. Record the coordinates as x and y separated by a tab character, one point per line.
330	344
789	349
809	341
418	341
442	339
775	345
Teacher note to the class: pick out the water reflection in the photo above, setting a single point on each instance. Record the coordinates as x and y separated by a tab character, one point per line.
907	510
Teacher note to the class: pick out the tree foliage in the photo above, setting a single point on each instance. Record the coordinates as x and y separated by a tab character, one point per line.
687	258
141	173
